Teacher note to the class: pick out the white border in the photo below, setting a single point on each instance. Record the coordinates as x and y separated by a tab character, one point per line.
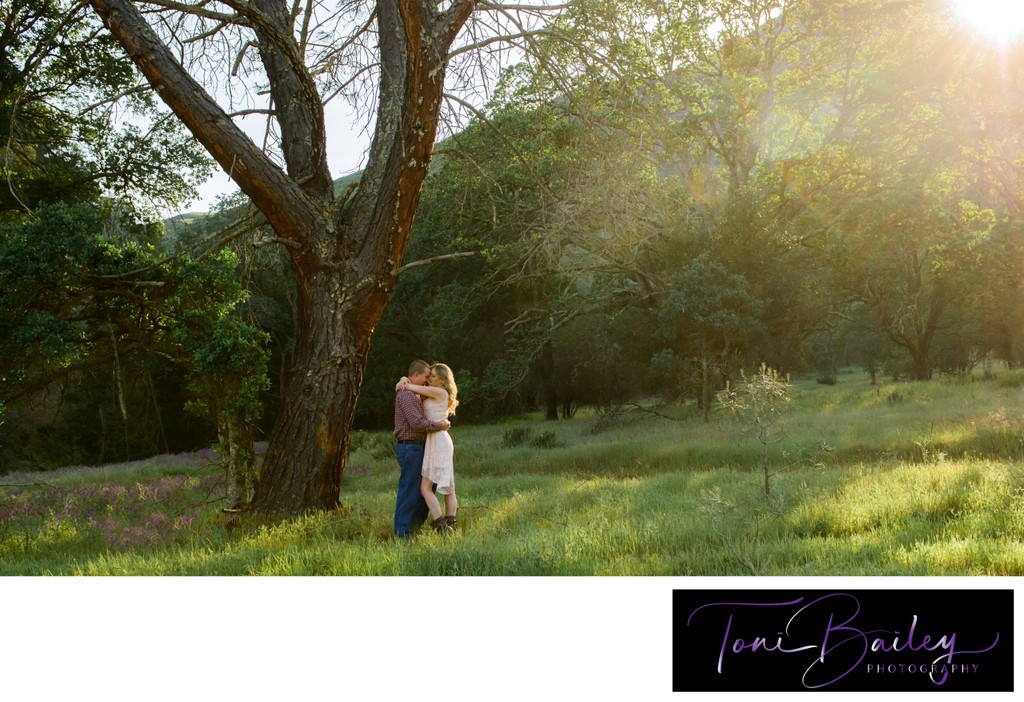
369	638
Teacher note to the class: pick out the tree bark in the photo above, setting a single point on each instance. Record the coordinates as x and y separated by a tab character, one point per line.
236	448
303	466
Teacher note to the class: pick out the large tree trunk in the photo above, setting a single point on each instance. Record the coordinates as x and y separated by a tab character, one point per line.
346	254
303	466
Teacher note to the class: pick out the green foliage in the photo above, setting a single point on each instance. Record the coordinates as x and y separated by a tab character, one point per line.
667	373
544	440
837	186
223	349
897	397
60	80
55	296
226	369
380	446
913	266
516	437
708	313
761	400
1013	379
798	187
74	301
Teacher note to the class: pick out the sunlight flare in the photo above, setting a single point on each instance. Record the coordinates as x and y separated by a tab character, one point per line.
1000	20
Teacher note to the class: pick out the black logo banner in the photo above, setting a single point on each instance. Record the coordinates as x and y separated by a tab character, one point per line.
842	640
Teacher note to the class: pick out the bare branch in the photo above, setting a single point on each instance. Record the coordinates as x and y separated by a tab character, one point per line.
253	111
433	259
496	39
241	56
207	34
141	88
331	57
276	240
341	88
198	11
483	4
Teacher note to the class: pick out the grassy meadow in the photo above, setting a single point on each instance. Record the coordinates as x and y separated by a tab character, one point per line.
894	479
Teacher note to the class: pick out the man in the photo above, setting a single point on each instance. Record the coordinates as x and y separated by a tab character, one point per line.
411	429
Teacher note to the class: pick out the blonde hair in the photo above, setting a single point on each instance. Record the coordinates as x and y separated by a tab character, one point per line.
448	383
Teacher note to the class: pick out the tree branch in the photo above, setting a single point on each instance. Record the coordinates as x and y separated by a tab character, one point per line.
502	7
299	108
454	19
143	88
433	259
198	11
283	202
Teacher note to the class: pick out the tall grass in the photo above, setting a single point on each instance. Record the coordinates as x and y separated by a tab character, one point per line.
901	479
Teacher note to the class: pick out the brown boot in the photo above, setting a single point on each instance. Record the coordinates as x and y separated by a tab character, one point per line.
451	521
440	525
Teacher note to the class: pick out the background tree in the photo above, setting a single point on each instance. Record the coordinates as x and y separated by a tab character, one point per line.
908	260
555	204
709	316
750	148
76	303
87	163
999	292
227	362
761	401
75	122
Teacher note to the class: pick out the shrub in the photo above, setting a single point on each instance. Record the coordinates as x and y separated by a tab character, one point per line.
762	401
516	436
897	397
545	440
1011	379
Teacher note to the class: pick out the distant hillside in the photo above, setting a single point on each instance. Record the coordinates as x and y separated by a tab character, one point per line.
183	220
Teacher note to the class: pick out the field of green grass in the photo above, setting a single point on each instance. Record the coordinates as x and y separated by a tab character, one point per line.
896	479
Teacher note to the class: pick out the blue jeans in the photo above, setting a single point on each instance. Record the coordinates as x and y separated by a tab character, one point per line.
410	509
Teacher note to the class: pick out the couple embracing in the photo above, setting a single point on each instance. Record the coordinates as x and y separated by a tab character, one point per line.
423	402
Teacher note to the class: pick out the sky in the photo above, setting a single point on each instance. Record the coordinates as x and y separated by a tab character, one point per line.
347	144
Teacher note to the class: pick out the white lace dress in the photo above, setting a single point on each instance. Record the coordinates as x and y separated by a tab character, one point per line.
439	451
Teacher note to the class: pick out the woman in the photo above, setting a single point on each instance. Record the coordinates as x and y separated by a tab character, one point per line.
439	403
